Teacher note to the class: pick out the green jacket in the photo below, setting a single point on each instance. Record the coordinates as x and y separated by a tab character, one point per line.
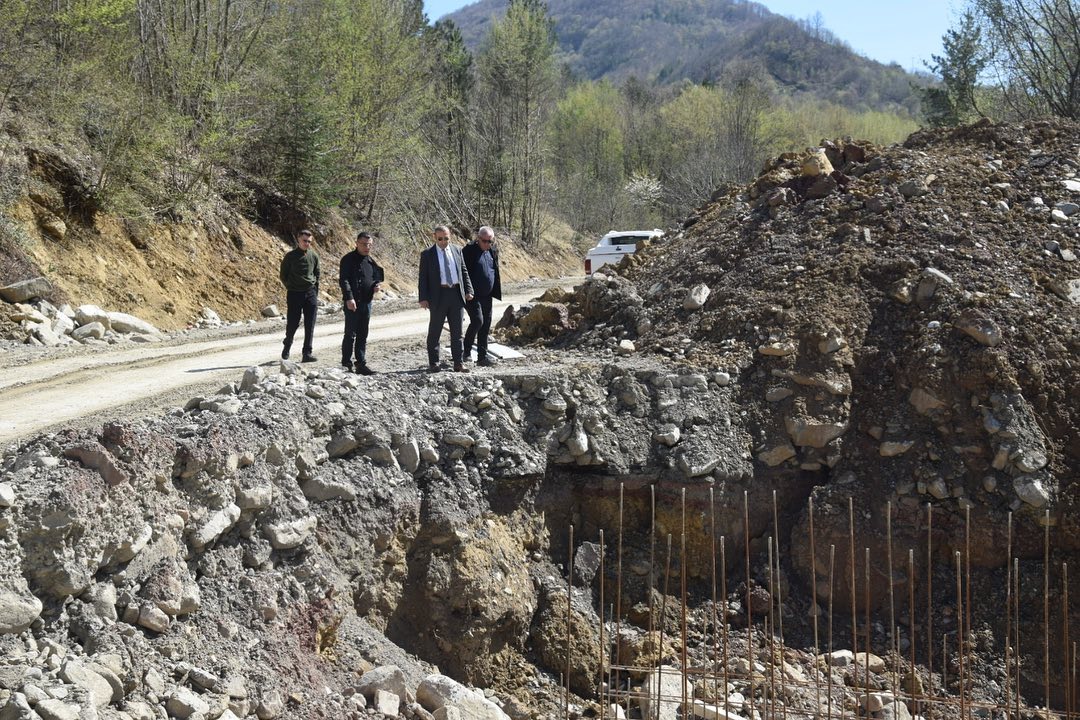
300	270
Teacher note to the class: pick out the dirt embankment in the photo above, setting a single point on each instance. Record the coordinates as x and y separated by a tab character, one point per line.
167	272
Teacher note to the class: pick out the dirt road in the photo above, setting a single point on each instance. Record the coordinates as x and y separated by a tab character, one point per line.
137	380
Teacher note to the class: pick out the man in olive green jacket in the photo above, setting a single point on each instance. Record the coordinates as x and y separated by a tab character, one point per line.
300	276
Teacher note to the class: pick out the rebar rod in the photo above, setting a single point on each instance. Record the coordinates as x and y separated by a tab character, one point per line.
929	609
615	681
967	595
1046	612
911	631
715	627
727	643
652	552
961	609
772	630
815	610
600	665
851	577
569	596
1065	637
828	664
894	649
866	644
749	613
1016	610
663	618
1008	615
682	579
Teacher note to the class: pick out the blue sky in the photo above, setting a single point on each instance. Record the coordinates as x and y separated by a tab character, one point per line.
903	32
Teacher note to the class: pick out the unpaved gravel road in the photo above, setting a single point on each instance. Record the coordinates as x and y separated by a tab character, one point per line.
78	388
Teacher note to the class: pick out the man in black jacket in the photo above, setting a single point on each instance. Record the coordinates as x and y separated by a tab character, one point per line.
482	262
360	277
443	288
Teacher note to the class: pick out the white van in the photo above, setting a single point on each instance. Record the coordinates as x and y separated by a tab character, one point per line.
614	246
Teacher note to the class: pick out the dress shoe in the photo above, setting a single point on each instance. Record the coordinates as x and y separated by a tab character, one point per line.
285	354
460	367
309	358
362	369
484	362
433	368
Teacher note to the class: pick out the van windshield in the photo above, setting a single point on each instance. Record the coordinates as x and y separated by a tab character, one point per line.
629	240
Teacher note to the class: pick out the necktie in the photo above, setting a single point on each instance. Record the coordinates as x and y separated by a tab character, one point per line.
446	266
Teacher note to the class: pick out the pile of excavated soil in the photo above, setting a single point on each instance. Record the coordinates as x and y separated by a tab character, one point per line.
901	325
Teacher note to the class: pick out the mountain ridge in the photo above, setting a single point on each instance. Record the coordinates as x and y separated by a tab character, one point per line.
707	42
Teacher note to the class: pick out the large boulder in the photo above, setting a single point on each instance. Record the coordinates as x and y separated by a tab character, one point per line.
438	691
26	290
124	323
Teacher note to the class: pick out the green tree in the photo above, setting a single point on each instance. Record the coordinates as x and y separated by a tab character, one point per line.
588	155
518	77
959	67
1036	53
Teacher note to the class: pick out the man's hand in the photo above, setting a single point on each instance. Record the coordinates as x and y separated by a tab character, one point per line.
351	304
468	297
376	287
424	304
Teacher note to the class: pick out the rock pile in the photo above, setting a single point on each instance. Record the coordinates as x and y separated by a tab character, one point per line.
903	322
34	320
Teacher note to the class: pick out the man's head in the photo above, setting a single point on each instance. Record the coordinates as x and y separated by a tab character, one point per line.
304	239
442	236
364	243
484	236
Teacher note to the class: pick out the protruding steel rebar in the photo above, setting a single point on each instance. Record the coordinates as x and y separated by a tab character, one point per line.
600	666
652	552
1067	695
967	596
929	610
815	609
894	648
683	602
615	681
771	621
727	644
663	618
911	630
715	627
749	613
828	664
569	597
1046	612
1008	616
866	619
961	609
1016	611
851	577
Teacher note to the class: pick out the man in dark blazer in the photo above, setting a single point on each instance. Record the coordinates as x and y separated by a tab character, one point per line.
482	262
444	288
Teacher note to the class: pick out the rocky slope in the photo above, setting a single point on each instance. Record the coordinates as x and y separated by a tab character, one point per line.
891	327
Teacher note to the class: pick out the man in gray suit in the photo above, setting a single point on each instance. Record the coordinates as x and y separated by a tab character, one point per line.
444	288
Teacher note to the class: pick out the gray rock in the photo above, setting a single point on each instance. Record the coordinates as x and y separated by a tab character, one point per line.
215	526
321	489
124	323
929	282
386	703
26	290
89	331
586	562
696	297
51	709
1068	209
85	314
777	455
289	533
19	608
913	188
976	325
183	703
669	685
99	689
7	495
1032	490
252	377
439	691
255	498
805	432
270	311
409	455
668	435
387	677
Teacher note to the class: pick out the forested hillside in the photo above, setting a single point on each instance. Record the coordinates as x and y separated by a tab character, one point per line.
362	113
705	41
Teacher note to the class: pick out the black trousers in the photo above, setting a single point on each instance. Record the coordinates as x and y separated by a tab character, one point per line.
479	310
445	306
354	344
301	302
